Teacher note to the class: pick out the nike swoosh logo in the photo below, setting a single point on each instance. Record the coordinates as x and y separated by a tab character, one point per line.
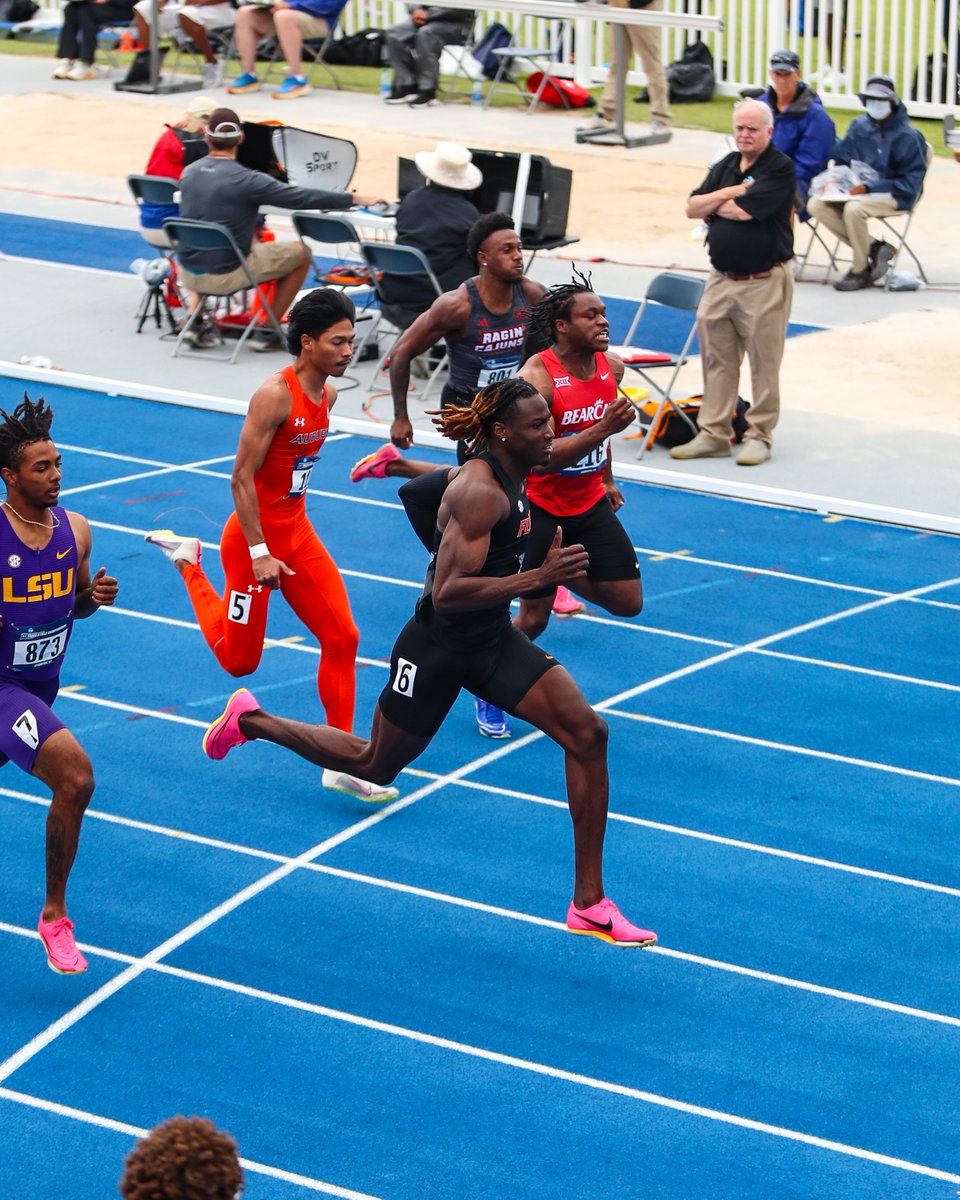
62	553
607	376
605	927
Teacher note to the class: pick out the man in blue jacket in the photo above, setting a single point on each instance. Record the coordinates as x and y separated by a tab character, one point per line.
885	140
802	128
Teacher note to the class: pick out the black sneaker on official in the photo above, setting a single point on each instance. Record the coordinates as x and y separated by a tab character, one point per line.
880	255
424	99
401	95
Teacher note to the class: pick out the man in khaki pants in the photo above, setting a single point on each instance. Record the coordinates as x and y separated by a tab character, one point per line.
746	201
644	41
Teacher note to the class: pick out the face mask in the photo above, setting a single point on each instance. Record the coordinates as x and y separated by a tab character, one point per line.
878	109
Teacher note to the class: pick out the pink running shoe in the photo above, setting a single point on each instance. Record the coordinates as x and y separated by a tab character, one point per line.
605	920
62	953
565	604
225	733
374	466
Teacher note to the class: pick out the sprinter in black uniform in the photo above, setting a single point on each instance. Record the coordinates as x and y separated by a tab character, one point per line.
461	636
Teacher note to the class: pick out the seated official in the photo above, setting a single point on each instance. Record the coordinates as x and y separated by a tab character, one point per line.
291	21
884	139
82	22
802	127
197	19
413	51
218	188
175	148
436	219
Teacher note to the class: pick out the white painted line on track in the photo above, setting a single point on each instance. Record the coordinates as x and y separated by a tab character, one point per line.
545	1070
135	1131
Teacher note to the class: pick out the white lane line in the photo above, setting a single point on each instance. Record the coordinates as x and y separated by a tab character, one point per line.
787	747
587	1081
769	640
135	1131
188	932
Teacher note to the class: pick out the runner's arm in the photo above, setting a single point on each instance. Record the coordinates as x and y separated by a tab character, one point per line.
447	314
268	410
102	589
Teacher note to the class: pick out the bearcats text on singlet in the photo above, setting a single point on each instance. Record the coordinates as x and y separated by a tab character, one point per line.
37	598
577	404
284	476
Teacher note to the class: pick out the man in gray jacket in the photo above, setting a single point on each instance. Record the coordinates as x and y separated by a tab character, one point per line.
217	188
413	51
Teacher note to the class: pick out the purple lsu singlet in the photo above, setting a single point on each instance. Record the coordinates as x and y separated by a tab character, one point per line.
37	596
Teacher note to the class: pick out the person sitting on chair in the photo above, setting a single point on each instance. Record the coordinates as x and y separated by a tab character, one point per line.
196	19
802	128
178	146
884	139
413	51
82	22
436	219
218	188
291	21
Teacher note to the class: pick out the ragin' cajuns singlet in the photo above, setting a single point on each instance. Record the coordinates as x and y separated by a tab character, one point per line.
492	346
577	404
284	476
37	599
508	540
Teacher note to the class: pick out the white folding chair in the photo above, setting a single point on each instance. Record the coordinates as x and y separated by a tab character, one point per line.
668	290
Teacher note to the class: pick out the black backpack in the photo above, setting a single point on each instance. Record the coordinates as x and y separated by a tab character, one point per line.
361	49
691	78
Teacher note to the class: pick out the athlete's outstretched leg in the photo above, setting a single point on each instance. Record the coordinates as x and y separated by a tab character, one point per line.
380	758
234	624
556	705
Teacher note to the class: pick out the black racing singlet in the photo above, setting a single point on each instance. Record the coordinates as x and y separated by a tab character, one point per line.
481	627
491	349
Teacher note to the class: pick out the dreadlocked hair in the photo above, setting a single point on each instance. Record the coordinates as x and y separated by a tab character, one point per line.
472	424
29	423
556	304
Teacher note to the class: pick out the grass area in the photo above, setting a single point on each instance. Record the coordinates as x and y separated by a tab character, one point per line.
713	116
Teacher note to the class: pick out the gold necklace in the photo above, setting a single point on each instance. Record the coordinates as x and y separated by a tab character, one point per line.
42	524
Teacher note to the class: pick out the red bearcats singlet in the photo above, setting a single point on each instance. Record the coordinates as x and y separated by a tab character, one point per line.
283	478
577	404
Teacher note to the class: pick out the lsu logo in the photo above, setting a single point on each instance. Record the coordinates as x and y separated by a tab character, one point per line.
49	586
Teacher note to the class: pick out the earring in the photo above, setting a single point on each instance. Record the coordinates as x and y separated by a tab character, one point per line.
503	439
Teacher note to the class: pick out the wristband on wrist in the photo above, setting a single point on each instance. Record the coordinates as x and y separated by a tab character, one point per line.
259	551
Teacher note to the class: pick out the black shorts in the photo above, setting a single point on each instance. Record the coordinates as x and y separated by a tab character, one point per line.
598	530
427	674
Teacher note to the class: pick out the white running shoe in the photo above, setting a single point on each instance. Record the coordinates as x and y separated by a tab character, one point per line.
372	793
176	548
63	68
81	71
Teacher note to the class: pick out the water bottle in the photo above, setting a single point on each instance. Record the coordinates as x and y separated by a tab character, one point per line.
476	91
385	87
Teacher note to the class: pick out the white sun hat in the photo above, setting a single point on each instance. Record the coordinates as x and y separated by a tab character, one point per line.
449	166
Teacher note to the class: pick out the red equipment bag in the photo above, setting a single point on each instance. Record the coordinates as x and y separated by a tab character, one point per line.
560	93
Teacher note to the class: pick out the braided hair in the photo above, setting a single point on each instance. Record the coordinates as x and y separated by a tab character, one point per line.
27	424
472	424
557	303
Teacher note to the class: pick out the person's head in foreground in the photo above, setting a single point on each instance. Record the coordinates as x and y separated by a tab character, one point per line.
185	1158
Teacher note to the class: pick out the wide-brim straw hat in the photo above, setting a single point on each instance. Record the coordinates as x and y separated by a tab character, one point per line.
449	166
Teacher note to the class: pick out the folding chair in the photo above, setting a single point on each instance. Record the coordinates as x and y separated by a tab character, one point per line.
329	229
153	189
315	160
221	42
208	235
834	258
668	290
161	285
385	258
542	60
455	55
898	236
312	51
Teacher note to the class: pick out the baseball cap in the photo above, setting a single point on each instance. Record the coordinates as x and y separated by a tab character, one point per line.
224	124
879	87
783	61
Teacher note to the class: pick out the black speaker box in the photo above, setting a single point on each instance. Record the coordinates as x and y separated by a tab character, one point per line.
547	203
